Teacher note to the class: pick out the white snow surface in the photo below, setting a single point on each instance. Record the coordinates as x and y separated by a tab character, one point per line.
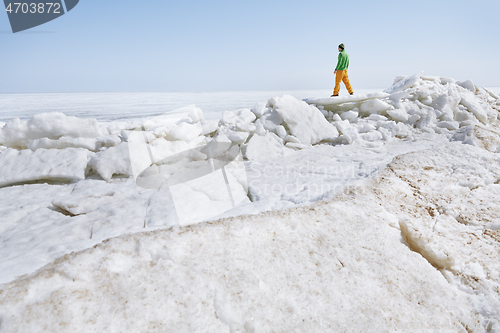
373	212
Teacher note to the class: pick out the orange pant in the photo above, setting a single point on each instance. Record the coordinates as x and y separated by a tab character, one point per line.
342	76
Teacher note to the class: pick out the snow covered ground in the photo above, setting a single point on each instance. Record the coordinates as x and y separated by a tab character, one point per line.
373	212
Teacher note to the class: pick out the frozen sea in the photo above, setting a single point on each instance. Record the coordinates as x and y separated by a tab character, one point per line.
123	105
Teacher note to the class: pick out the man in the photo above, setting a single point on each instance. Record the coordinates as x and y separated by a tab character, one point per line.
341	72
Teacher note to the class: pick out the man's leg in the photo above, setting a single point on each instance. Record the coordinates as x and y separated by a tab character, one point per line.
338	79
345	79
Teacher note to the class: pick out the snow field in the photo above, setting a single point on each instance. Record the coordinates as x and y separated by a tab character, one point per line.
370	259
421	231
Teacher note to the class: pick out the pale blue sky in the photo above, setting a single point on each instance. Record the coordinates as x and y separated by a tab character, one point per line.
161	45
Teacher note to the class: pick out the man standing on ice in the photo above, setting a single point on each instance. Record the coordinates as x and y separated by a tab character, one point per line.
341	72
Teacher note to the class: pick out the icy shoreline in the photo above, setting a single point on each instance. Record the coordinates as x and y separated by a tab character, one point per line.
276	156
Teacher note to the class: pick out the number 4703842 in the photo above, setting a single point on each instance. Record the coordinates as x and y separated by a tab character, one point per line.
32	8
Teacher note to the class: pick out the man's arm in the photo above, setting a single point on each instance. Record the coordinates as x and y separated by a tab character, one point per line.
338	64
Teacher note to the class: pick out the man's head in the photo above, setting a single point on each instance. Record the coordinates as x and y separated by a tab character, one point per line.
341	47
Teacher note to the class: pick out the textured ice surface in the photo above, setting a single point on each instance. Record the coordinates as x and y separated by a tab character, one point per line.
406	240
379	257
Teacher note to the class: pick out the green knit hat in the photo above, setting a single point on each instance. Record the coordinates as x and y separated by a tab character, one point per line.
342	46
